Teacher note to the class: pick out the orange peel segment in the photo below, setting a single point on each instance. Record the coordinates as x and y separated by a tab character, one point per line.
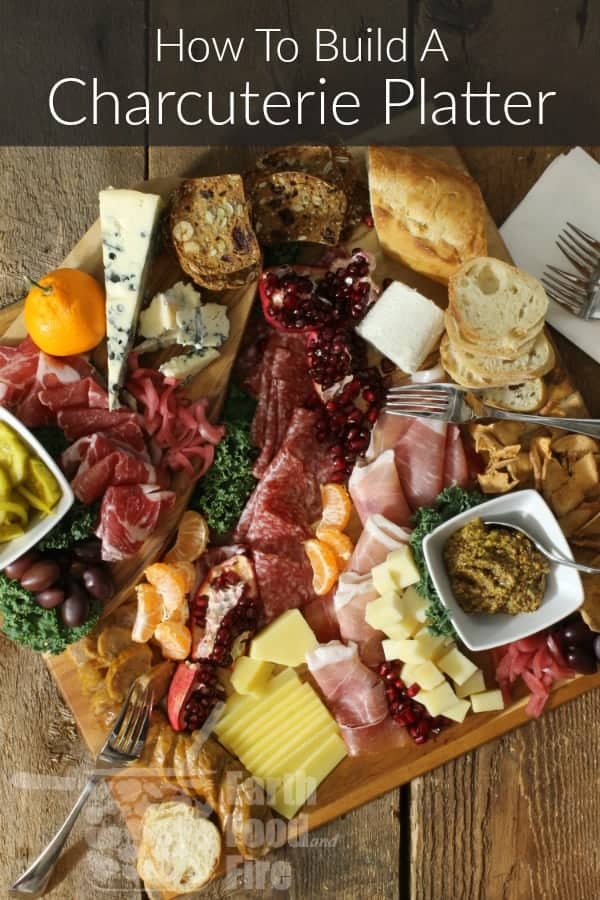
324	564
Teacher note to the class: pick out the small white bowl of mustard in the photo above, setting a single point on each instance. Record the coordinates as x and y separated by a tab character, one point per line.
562	587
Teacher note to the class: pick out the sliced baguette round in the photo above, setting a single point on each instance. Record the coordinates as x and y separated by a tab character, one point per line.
495	304
469	371
180	850
526	397
509	351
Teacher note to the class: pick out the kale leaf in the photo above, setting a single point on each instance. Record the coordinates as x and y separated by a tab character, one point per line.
77	525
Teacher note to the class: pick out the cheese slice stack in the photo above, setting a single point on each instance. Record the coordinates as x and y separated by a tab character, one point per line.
128	222
285	737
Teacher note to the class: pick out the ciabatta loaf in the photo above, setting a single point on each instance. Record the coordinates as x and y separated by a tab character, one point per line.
180	849
428	214
495	304
480	372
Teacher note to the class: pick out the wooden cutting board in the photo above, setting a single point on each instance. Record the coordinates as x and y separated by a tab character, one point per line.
355	781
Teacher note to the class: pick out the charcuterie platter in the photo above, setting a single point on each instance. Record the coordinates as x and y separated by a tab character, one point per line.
281	602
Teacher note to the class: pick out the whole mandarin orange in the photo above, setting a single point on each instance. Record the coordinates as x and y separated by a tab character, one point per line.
65	312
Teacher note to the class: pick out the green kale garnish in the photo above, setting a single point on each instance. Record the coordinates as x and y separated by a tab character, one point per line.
222	493
77	525
451	502
52	439
27	623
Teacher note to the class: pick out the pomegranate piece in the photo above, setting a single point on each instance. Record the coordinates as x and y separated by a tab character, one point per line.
225	607
193	692
406	710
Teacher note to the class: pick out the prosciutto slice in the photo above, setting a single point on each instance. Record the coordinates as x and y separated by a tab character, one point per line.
350	602
379	537
321	616
420	459
376	488
456	468
386	434
356	697
128	516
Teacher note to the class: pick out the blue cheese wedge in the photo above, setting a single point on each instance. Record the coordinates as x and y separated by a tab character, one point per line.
177	316
128	222
189	364
216	324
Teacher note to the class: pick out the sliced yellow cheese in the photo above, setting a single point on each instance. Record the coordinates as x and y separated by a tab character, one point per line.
239	706
406	651
438	700
293	760
286	641
457	666
297	706
487	701
402	630
427	675
385	610
250	676
262	751
414	605
295	789
473	685
458	712
253	719
402	567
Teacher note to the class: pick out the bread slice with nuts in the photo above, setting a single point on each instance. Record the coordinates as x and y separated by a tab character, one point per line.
211	231
296	206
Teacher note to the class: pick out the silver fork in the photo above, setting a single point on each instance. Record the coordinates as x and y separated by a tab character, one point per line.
446	402
578	291
123	745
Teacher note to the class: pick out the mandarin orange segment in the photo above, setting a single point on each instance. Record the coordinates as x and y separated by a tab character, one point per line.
324	565
188	570
174	639
339	542
337	505
171	583
192	539
149	613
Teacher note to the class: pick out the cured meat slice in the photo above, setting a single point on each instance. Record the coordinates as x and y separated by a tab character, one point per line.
350	602
279	510
31	412
456	467
268	440
85	394
302	441
321	616
387	432
420	455
376	488
92	447
128	516
77	422
379	537
283	583
378	738
118	467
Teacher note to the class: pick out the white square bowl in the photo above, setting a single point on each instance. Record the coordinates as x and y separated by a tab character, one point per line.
564	591
39	525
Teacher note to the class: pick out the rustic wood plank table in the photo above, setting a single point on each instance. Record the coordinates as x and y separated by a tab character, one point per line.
515	820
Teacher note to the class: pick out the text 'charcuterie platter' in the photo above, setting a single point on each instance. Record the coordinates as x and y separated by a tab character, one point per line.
305	579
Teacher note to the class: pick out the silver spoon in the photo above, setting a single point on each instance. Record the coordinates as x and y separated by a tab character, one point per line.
553	556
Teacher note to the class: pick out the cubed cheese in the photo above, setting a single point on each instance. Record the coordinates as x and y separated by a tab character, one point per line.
403	325
458	712
438	700
473	685
433	645
457	666
414	604
427	675
286	641
402	568
487	701
385	610
382	579
128	221
407	673
401	630
250	676
404	650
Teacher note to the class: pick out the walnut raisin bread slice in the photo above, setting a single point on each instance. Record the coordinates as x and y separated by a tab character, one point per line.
211	231
295	206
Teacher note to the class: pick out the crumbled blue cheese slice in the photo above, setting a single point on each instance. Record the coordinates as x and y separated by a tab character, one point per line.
128	222
189	364
177	316
216	324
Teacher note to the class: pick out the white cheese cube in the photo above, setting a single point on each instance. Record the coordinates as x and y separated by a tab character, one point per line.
402	568
457	666
427	676
382	579
385	610
128	221
433	645
487	701
458	712
438	700
403	325
407	673
404	650
399	631
473	685
414	605
158	318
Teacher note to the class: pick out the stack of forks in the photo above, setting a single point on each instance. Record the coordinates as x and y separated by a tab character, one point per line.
578	291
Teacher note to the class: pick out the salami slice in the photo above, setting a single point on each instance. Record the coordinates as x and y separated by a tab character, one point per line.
282	583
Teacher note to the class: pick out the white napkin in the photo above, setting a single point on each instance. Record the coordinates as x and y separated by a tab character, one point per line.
568	191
